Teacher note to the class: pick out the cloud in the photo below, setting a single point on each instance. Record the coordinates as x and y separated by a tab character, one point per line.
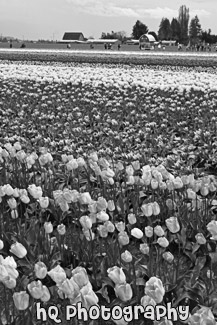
123	8
200	13
158	13
103	8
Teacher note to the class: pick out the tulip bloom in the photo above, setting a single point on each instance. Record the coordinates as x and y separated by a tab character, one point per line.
202	316
80	276
86	222
163	242
116	274
127	257
137	233
45	294
111	205
57	274
155	209
48	227
102	216
144	248
61	229
168	257
201	240
40	270
147	301
88	297
70	288
101	204
149	231
18	249
154	289
212	228
1	244
35	289
147	209
173	225
158	230
120	226
12	203
109	226
131	218
21	300
123	238
44	202
123	291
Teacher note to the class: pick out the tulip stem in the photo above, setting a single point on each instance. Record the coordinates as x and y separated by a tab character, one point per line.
134	280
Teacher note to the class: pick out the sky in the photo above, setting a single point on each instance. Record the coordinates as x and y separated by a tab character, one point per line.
49	19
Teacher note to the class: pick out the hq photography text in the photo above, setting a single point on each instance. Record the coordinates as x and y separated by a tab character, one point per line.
128	313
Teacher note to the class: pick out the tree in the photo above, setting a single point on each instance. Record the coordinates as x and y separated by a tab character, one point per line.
195	30
183	21
153	34
121	35
139	29
164	32
207	37
175	30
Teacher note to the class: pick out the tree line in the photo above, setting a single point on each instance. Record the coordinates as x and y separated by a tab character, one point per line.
180	29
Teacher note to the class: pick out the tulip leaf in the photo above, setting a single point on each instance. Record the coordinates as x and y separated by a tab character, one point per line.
104	292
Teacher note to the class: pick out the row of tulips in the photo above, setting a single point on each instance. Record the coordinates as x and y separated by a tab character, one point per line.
142	219
107	189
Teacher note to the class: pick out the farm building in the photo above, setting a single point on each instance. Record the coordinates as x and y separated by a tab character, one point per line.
70	37
169	43
146	41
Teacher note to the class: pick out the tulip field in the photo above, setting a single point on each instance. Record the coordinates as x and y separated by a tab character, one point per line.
108	192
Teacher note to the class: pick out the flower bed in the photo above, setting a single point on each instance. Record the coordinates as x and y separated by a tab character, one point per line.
108	192
187	59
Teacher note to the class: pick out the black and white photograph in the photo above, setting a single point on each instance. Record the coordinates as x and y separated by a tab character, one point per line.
108	162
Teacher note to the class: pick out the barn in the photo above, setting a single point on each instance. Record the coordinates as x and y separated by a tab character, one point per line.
73	37
146	41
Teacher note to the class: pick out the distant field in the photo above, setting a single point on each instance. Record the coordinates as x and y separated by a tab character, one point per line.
133	57
80	46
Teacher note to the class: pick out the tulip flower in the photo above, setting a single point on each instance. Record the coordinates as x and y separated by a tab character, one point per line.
172	224
158	230
168	257
40	270
154	289
86	222
57	274
201	240
127	256
80	276
163	242
212	228
123	291
137	233
144	248
116	274
19	250
45	297
21	300
35	289
48	227
1	244
147	301
61	229
149	231
44	202
123	238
